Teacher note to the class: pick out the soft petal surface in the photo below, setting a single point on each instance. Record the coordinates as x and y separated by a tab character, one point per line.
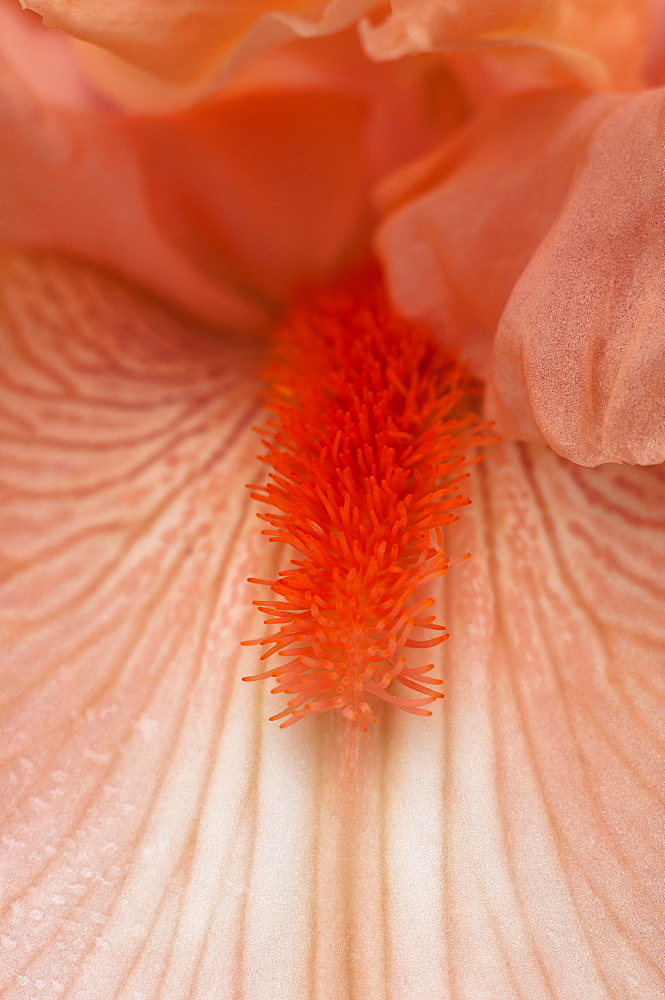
44	60
602	41
474	212
264	190
188	43
580	347
161	840
654	68
221	209
71	179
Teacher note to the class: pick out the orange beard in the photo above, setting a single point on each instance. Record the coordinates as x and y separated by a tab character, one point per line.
366	452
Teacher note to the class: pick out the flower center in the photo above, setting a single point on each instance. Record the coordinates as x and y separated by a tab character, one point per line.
366	455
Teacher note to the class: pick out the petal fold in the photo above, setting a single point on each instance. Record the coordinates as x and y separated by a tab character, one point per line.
221	209
188	44
263	190
600	41
580	347
473	213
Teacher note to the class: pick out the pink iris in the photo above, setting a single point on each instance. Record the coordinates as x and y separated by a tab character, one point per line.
171	171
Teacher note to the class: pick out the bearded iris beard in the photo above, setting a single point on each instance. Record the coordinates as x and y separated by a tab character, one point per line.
367	450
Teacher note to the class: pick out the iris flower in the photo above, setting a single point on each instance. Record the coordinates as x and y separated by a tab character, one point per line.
171	174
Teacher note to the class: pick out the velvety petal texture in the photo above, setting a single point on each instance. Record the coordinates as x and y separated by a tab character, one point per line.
160	839
474	212
552	286
601	41
580	350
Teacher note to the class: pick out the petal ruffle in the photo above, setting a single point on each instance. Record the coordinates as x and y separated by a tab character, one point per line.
473	214
221	209
539	223
71	179
159	838
189	43
580	347
601	41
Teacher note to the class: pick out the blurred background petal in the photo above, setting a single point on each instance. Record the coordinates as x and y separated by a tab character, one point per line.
223	207
178	49
602	42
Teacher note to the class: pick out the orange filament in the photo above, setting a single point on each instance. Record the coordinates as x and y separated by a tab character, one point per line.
366	460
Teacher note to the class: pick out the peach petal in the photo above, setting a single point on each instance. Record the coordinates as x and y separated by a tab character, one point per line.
44	60
552	804
160	839
72	180
409	106
270	188
473	213
220	209
580	348
187	45
654	64
600	41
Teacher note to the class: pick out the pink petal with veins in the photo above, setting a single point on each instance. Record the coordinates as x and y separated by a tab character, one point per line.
160	841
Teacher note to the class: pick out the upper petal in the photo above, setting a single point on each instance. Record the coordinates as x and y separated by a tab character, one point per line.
70	178
580	347
221	209
269	187
187	43
601	41
463	223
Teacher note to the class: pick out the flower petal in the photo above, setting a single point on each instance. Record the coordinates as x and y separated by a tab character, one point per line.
601	41
552	809
269	187
127	537
44	60
221	209
160	839
473	213
580	348
187	43
654	68
71	179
